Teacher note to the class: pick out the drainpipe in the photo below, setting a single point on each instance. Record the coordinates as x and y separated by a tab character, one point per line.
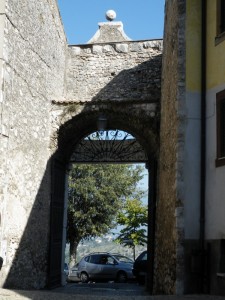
203	142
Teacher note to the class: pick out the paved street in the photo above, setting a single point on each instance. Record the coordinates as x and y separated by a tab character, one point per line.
97	291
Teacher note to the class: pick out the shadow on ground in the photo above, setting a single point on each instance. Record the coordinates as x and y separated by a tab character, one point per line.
111	289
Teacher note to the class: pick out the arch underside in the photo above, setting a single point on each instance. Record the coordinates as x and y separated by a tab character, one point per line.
135	120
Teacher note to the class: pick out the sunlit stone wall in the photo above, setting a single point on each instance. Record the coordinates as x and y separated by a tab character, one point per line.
115	71
169	248
38	69
33	53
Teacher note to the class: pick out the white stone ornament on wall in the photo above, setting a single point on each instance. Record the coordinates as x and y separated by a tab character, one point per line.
109	31
110	15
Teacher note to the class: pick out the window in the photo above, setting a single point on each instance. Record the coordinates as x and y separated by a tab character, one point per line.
87	258
220	21
111	260
94	259
220	111
222	16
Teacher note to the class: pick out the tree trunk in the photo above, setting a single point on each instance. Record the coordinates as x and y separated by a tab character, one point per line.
73	252
134	252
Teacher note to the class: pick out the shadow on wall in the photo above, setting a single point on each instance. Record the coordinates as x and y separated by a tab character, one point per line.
1	262
40	248
141	83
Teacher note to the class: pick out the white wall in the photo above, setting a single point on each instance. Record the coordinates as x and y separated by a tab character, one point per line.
215	178
192	166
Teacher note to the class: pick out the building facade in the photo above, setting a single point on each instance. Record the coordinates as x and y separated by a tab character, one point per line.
192	137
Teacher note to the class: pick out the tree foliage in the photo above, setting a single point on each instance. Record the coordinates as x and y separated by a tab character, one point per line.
95	194
134	219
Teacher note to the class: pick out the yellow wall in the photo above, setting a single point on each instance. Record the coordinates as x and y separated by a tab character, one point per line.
215	53
193	45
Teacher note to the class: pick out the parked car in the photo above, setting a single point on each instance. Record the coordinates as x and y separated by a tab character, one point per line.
66	269
140	267
72	276
105	266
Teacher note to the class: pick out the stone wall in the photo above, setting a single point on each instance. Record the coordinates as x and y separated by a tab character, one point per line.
114	71
169	232
121	78
33	60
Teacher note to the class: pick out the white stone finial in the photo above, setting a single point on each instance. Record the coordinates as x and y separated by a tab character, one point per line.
110	15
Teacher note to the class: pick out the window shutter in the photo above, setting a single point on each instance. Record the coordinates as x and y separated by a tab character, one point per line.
222	128
222	16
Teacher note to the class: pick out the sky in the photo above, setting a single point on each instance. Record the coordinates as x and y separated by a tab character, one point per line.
142	19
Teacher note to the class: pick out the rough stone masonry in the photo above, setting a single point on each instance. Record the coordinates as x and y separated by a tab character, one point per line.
41	76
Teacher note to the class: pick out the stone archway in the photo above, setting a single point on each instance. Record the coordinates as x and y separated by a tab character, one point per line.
74	121
75	125
115	77
118	77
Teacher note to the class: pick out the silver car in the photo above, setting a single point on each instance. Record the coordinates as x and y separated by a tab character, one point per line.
105	266
72	276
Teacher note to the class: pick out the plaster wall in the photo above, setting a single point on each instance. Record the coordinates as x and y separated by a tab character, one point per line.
32	54
215	188
215	51
192	167
215	206
215	222
192	120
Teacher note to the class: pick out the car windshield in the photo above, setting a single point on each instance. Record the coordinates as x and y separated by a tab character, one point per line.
122	258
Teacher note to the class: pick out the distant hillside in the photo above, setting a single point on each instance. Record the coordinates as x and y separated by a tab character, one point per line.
103	244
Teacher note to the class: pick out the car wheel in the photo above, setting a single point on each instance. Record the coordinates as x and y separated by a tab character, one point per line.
84	277
121	277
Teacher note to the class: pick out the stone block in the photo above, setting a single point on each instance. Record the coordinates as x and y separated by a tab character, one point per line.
122	48
97	49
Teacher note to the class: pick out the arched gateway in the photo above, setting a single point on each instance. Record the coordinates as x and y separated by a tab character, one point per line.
112	78
78	141
121	86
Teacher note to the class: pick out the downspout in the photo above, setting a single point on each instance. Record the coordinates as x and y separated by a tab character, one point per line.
203	142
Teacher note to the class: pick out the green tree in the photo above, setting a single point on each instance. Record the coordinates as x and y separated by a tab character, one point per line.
96	193
134	219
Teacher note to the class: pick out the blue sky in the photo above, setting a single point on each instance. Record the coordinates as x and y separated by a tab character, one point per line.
142	19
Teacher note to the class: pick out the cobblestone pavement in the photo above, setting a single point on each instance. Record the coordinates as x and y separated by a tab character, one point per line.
99	291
